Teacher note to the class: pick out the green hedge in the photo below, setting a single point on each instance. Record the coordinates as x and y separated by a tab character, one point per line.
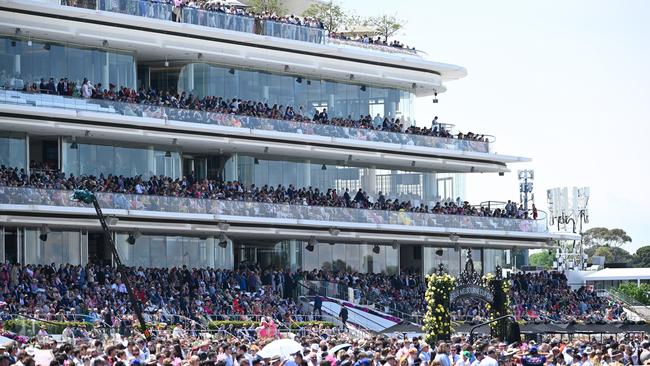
638	293
218	324
31	327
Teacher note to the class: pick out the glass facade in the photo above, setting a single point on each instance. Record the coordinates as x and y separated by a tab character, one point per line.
13	150
96	159
341	100
452	259
23	62
60	247
351	257
414	186
174	251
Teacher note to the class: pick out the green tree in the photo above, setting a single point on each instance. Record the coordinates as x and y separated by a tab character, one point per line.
642	257
386	25
611	254
601	236
542	259
260	6
334	18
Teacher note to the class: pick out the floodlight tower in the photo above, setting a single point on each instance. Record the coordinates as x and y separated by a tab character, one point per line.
526	178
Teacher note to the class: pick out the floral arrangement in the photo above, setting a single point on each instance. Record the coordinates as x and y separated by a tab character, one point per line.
500	288
18	338
437	321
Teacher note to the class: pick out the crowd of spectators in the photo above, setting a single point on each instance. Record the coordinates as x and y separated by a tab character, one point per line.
548	296
64	292
188	107
260	23
189	186
543	296
318	348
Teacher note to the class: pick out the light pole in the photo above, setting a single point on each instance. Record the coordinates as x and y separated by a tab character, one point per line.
526	178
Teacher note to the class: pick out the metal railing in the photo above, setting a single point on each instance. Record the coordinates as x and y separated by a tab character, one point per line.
223	208
164	114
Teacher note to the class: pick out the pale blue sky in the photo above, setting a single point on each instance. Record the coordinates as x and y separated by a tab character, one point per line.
565	83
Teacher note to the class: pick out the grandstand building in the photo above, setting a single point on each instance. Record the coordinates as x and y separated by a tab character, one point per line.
134	43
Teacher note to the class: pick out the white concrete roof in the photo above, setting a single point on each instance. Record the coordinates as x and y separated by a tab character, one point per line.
619	274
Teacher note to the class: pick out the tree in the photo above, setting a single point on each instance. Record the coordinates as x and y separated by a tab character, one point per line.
260	6
542	259
601	236
386	25
331	14
611	254
642	257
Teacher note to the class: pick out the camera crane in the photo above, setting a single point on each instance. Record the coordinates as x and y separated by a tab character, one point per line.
88	197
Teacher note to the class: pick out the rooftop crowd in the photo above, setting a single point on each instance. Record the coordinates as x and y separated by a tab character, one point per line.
188	107
261	23
190	187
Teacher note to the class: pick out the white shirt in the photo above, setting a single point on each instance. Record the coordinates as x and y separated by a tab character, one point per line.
489	361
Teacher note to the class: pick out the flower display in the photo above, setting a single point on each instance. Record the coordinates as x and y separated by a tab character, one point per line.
437	321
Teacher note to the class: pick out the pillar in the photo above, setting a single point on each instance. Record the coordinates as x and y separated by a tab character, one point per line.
17	66
189	78
105	72
305	173
232	167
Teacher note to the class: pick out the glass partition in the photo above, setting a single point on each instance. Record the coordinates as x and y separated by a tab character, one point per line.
27	62
226	209
94	159
174	251
351	257
13	151
238	121
60	247
304	94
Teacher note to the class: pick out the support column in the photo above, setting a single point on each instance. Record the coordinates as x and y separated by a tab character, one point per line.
232	167
265	92
305	168
105	72
17	67
189	78
151	161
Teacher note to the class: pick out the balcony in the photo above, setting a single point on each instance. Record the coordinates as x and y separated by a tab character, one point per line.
252	124
34	200
239	23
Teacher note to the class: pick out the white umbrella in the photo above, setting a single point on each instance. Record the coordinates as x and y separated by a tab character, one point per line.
334	350
282	347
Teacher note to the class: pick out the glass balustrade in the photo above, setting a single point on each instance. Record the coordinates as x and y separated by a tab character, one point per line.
332	215
239	121
241	23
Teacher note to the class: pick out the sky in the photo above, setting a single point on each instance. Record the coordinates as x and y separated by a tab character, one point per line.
565	83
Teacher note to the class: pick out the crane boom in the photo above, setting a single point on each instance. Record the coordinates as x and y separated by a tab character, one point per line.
89	198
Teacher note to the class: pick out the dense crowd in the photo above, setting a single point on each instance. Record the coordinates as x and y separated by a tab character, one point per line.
548	296
188	107
543	296
319	348
189	186
98	294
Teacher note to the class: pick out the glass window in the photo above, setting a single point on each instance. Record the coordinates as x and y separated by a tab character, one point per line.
341	99
60	247
12	151
96	159
24	62
174	251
